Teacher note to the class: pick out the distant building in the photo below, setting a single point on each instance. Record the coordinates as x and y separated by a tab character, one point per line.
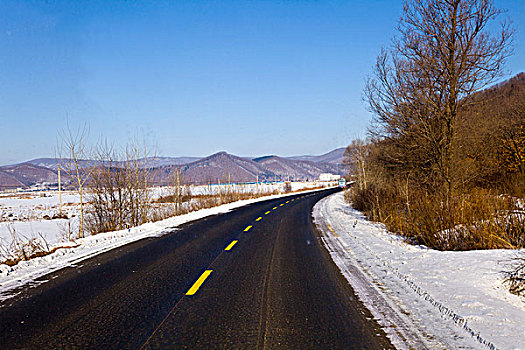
13	190
329	177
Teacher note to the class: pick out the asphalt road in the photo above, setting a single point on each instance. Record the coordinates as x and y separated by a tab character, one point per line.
274	288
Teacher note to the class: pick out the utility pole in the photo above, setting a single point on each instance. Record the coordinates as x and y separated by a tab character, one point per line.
229	186
220	194
178	194
59	192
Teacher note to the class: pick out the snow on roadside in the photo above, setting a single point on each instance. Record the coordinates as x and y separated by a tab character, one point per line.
423	298
25	272
31	215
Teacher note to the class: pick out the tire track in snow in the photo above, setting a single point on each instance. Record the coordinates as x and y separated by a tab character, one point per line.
403	327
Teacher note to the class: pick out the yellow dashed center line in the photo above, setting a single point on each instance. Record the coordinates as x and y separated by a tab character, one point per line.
230	246
199	282
207	273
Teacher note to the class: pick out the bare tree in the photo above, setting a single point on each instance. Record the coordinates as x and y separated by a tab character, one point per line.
119	187
139	172
445	53
178	190
181	190
109	198
355	158
74	147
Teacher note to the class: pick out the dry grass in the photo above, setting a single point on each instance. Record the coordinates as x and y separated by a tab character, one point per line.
39	253
211	199
22	248
190	203
480	219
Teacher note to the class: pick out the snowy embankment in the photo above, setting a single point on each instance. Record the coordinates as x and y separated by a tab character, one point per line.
32	215
26	272
423	298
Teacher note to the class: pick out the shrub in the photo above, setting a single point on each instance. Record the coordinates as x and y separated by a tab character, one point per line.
479	219
515	275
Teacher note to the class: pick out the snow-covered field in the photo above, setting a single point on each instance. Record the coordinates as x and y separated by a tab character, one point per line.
423	298
25	272
30	215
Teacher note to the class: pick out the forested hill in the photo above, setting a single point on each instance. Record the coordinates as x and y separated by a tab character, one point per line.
490	132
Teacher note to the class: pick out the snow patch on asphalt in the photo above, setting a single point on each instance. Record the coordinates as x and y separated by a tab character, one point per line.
423	298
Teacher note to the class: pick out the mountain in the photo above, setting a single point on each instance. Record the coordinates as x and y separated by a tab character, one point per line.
155	162
9	181
25	175
332	157
150	162
51	163
284	168
224	167
220	166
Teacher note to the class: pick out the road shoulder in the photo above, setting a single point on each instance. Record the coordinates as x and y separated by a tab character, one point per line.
421	297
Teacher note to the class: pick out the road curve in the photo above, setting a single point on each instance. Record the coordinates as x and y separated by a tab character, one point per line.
255	278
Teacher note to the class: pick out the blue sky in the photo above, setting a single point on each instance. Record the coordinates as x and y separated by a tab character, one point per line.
195	77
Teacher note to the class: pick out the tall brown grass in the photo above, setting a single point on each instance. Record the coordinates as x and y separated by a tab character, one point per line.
478	219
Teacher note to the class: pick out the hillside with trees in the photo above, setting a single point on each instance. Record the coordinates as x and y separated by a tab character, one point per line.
444	162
